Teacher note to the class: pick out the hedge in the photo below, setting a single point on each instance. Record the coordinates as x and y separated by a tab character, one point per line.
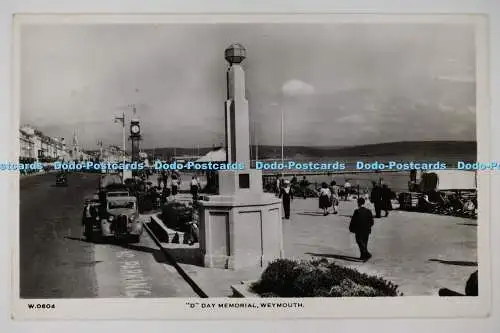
319	278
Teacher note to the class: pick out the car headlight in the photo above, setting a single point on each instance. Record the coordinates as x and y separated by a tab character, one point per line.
110	218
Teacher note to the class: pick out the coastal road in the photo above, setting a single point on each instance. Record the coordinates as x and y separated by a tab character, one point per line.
56	262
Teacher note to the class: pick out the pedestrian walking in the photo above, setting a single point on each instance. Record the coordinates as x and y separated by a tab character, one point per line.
277	186
304	184
164	178
165	193
195	186
387	196
334	189
376	199
324	198
347	189
159	180
286	194
174	184
361	226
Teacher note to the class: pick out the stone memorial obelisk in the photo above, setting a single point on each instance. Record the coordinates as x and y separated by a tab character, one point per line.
241	226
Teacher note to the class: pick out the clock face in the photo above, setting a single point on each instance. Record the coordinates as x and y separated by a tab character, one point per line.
135	129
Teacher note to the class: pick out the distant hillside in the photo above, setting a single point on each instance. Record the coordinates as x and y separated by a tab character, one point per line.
168	152
419	149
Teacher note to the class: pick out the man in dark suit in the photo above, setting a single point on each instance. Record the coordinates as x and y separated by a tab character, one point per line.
376	199
361	226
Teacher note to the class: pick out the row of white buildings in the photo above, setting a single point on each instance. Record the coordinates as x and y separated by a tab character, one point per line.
112	154
36	146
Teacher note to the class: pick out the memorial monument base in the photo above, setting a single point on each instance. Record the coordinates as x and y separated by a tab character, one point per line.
242	229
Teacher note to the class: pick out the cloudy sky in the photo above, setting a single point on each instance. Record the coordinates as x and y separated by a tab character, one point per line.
338	84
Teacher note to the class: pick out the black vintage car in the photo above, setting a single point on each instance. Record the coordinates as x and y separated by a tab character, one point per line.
62	179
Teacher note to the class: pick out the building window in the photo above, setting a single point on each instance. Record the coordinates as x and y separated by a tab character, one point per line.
244	180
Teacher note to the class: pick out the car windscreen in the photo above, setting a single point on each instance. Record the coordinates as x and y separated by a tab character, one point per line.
118	194
121	204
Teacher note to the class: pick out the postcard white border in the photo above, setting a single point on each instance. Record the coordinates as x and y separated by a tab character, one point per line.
176	308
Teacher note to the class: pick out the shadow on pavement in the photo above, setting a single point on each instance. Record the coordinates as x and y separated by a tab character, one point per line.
468	224
81	239
311	213
455	263
189	256
335	256
101	241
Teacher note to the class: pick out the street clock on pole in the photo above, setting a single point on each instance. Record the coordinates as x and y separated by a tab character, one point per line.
135	129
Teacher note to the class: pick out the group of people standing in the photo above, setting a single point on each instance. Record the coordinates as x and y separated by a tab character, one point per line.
174	180
381	197
329	197
362	219
164	180
284	190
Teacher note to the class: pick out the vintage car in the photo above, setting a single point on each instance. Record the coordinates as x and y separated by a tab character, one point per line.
109	179
121	219
62	179
118	218
116	190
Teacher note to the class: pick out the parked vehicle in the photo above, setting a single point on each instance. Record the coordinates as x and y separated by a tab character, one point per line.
115	217
122	219
110	179
62	179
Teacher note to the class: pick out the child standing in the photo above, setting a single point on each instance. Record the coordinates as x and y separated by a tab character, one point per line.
324	198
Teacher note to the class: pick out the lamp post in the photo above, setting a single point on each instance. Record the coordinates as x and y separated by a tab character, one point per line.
122	120
282	136
255	141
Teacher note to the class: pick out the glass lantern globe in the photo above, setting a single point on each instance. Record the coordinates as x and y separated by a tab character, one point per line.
235	53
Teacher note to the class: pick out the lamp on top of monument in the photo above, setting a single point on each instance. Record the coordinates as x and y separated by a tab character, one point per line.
235	53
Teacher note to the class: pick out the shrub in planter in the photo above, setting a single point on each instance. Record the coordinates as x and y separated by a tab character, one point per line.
381	286
319	278
349	288
175	215
311	279
278	278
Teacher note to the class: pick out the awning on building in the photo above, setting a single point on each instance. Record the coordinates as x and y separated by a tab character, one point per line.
218	155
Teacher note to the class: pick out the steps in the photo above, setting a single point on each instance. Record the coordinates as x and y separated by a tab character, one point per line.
165	234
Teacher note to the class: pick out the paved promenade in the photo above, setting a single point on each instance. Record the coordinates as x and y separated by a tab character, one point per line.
419	252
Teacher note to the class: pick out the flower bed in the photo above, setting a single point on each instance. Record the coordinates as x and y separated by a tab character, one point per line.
319	278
